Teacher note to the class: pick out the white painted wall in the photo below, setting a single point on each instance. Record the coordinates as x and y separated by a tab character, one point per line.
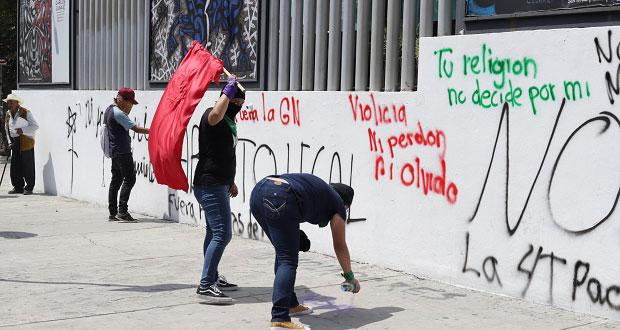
558	186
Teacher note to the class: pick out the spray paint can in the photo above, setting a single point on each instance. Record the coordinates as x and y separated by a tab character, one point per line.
347	286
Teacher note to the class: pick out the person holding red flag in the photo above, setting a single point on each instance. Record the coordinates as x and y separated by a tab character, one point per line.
183	93
214	185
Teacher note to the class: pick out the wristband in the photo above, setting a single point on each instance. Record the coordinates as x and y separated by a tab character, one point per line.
348	276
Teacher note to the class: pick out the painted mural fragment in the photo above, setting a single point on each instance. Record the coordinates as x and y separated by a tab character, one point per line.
35	34
227	28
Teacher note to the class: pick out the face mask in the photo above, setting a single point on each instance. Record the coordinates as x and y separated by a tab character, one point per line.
232	110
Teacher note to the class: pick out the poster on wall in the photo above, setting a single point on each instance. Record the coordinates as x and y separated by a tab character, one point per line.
227	28
44	48
502	7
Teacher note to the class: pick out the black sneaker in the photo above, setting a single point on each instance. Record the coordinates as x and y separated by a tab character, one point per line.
112	217
223	284
27	192
16	191
125	217
213	295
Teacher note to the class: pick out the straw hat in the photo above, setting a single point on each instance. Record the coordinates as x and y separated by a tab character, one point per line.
14	98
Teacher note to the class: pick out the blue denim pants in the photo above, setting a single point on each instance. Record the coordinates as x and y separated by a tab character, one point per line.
275	207
215	202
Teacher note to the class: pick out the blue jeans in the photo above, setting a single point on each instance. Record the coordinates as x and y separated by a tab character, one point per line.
276	209
215	201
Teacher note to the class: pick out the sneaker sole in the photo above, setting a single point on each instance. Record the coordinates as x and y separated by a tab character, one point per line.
125	220
280	328
215	301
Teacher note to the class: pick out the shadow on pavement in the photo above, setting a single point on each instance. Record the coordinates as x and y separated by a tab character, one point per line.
157	288
120	287
16	234
155	220
8	196
329	312
355	318
250	295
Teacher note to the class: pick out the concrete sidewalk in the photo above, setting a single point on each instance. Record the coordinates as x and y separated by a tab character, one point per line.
64	266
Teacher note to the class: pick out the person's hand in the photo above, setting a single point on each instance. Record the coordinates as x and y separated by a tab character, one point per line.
10	146
231	87
233	191
20	131
357	285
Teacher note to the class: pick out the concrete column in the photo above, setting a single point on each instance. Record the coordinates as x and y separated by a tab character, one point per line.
141	35
377	75
100	52
108	45
393	42
362	46
95	55
91	45
444	18
410	14
133	46
272	58
296	44
127	41
347	73
320	55
284	51
426	18
81	53
114	68
335	45
309	28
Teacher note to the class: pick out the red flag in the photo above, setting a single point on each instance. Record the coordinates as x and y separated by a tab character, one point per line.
183	93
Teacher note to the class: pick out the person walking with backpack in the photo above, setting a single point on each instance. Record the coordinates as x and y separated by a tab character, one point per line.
116	118
20	128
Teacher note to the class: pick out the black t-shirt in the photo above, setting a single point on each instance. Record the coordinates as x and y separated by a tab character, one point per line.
319	200
217	162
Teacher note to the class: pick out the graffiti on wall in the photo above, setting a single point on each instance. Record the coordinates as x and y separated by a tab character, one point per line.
503	85
500	173
256	158
35	46
396	153
604	50
227	28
